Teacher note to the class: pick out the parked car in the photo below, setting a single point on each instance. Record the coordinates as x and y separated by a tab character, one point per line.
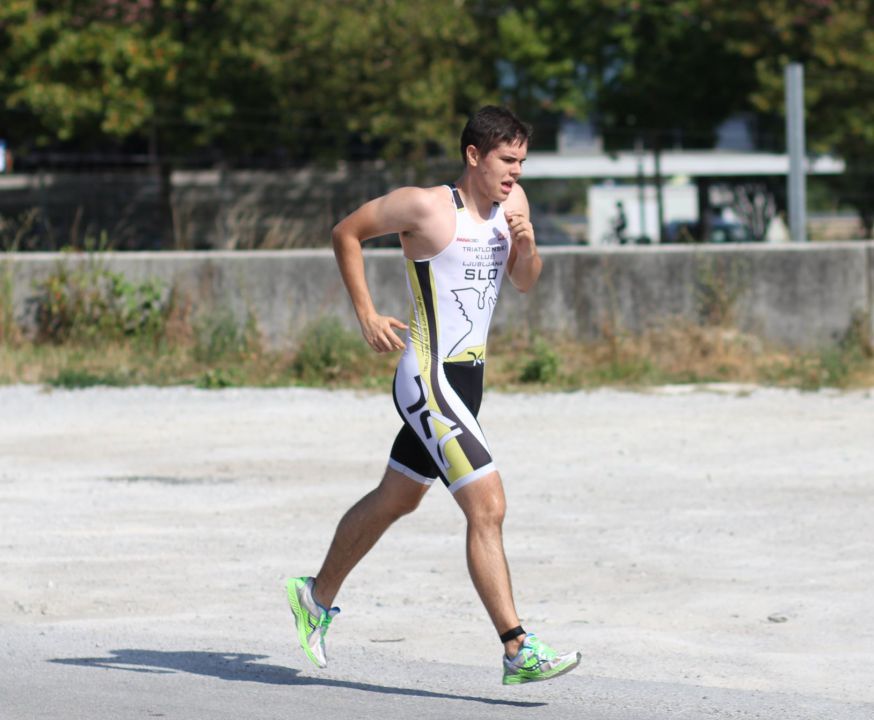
721	231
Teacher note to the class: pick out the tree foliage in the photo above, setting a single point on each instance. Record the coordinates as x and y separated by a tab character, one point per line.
640	69
398	75
835	43
242	74
340	78
648	69
177	73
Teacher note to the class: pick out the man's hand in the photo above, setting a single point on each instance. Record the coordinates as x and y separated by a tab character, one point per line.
524	264
378	332
521	233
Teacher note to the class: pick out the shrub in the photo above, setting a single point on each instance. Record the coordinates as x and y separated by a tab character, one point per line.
218	379
219	335
542	367
328	352
720	285
89	303
72	378
10	333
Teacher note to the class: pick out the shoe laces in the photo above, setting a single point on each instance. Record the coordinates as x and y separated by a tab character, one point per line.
327	616
538	648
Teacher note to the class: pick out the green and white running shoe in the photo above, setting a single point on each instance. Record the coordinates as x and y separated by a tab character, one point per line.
537	661
312	620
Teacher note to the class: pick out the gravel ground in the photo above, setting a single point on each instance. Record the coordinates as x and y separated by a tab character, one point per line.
710	551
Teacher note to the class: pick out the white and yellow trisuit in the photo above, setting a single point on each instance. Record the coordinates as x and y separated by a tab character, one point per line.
439	380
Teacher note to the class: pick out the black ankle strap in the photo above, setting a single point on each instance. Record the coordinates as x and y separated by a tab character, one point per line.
511	634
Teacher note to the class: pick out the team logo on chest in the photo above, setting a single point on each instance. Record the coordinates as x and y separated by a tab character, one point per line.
476	308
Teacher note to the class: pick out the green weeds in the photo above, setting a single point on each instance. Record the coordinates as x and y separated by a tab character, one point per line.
87	303
219	378
10	333
219	336
97	327
542	365
328	353
849	363
720	284
74	378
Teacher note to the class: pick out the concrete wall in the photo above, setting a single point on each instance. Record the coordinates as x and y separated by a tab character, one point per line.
802	296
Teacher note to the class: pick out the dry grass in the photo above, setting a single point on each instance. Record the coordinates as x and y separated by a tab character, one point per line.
94	326
674	353
327	355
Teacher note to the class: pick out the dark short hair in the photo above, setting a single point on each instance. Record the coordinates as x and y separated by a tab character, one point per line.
491	126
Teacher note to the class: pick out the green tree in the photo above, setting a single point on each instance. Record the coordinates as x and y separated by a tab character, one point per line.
645	69
226	79
184	71
395	77
835	43
245	75
642	70
174	74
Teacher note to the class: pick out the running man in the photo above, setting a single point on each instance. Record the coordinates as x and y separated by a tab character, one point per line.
458	241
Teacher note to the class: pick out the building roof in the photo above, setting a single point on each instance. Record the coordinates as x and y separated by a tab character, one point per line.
684	163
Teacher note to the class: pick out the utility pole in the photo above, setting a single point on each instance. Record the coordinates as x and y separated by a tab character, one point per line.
641	187
796	192
660	197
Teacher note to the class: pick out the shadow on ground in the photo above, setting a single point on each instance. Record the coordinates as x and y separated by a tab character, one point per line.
245	667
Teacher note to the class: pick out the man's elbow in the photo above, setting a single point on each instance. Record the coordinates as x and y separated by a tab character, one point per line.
340	237
525	280
523	285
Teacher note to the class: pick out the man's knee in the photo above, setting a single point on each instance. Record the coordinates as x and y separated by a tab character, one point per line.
399	505
483	502
490	512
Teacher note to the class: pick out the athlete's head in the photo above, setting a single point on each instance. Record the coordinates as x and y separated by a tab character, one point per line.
491	126
494	145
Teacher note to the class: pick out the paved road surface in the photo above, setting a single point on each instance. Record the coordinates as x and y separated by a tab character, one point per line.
710	552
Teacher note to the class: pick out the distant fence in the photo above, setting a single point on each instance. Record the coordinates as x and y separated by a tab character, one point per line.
198	210
216	209
795	296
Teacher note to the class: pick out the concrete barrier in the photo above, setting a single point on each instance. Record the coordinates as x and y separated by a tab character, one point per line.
794	296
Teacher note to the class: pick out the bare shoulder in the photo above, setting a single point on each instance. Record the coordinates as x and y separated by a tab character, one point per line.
517	201
432	229
418	200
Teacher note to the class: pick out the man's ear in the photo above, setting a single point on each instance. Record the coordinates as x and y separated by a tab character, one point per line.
472	155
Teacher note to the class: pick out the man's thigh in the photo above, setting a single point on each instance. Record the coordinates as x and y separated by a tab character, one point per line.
483	498
403	490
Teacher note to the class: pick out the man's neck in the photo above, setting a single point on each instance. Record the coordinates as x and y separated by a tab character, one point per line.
476	203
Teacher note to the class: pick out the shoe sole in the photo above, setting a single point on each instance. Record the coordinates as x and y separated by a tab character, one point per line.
521	678
300	624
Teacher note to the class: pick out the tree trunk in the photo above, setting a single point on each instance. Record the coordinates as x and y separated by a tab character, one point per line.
704	220
660	200
163	170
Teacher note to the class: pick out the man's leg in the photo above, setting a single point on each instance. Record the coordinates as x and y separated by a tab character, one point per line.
527	658
484	505
362	526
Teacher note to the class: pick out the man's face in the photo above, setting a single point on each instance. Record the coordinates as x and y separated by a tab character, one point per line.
498	171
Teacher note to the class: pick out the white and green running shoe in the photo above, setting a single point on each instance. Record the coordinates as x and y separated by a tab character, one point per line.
312	620
537	661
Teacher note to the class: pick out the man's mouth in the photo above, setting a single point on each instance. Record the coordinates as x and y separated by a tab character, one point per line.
506	186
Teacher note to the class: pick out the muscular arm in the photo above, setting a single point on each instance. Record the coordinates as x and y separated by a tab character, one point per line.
524	264
399	211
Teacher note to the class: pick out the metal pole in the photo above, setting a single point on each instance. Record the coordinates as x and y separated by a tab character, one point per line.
660	196
641	183
796	193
